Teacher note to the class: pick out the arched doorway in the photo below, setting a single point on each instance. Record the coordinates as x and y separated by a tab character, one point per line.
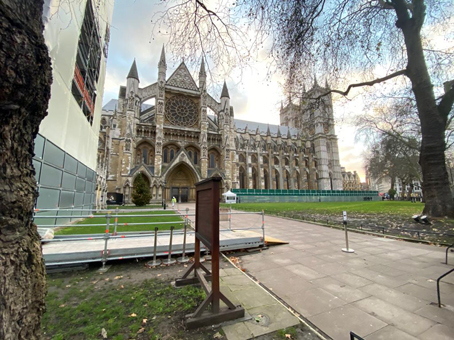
181	184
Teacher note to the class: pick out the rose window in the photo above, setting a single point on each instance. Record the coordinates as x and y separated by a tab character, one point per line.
181	111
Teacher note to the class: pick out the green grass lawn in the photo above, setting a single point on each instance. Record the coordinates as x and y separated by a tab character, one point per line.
400	208
79	227
82	307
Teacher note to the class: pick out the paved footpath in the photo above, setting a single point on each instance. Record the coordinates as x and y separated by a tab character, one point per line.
385	290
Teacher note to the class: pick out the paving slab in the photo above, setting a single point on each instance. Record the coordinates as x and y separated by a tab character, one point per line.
278	319
406	321
390	333
340	289
335	322
395	297
439	315
438	332
352	280
314	301
241	290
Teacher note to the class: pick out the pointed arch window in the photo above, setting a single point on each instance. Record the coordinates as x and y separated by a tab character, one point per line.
172	154
165	156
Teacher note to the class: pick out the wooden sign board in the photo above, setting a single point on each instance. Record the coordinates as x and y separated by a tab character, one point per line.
207	212
207	232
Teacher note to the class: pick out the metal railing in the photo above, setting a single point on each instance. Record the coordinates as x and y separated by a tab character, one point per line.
438	285
447	250
354	336
105	254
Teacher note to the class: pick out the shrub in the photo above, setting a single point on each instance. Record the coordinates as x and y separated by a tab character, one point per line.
391	193
141	194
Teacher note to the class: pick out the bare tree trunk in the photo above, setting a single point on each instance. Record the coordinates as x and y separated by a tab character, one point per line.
439	201
25	78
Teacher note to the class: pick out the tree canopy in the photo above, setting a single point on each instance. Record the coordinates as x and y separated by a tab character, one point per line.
356	42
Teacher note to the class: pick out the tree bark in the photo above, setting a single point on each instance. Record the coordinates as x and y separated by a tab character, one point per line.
25	78
436	190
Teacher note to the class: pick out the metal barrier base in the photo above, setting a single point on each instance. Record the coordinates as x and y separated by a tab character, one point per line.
168	262
184	259
154	263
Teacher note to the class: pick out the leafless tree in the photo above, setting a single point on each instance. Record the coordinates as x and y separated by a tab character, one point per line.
358	42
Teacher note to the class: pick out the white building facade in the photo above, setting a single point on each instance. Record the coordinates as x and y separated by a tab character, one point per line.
77	36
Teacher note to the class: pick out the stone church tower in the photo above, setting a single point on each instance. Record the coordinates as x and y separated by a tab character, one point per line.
187	136
315	118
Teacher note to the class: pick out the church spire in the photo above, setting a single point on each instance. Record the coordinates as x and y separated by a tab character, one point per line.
202	69
268	133
162	60
289	135
225	91
278	131
315	80
133	71
202	75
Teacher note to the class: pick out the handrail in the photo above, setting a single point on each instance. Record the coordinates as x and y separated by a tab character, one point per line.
354	336
438	285
447	249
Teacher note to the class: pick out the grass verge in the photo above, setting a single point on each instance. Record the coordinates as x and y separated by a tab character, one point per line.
400	208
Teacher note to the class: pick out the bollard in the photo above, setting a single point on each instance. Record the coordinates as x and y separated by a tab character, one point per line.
116	221
169	260
155	262
346	249
183	258
263	229
105	252
230	218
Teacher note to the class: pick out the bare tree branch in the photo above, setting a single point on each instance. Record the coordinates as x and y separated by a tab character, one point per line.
367	83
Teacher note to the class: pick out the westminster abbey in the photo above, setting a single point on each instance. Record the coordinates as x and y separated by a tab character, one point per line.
187	136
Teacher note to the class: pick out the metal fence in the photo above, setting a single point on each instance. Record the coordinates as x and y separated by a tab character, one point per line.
111	233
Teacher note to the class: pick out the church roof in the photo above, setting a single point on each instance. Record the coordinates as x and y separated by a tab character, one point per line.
112	104
182	78
241	125
133	71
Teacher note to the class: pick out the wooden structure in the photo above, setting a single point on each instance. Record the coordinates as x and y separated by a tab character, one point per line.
207	232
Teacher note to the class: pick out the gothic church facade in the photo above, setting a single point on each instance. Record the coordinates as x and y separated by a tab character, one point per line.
188	136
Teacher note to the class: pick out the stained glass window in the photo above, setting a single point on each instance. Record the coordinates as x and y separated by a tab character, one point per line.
181	111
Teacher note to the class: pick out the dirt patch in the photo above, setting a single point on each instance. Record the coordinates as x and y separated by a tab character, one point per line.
439	231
